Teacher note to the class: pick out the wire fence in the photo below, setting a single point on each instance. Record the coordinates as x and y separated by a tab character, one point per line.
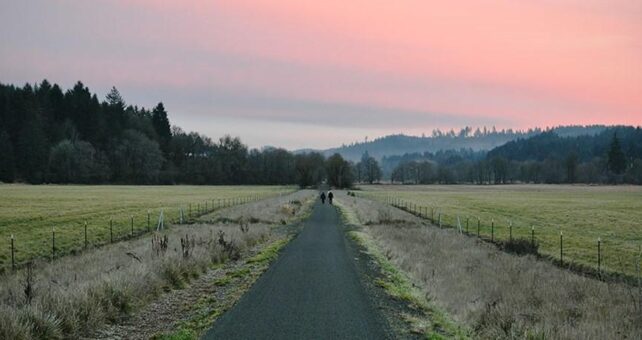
66	240
558	246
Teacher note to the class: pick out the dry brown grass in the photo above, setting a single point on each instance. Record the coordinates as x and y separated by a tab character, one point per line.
76	294
275	210
498	295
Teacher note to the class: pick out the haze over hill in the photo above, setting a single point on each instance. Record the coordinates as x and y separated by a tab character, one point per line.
480	139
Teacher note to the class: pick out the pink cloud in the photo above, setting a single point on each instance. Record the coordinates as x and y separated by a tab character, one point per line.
526	62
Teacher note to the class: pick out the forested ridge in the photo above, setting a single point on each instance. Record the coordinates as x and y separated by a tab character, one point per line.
49	135
613	155
468	138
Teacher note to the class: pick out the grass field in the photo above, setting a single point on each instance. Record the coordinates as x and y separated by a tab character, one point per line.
30	212
582	213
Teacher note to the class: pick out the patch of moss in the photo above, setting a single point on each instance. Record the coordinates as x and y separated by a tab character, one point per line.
270	253
224	281
240	272
181	334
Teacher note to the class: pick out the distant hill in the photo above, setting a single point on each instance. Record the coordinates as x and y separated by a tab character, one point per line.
481	139
558	146
593	154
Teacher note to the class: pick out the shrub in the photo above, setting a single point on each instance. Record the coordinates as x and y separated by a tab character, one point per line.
520	246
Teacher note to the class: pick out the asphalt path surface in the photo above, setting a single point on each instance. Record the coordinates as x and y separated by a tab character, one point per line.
312	291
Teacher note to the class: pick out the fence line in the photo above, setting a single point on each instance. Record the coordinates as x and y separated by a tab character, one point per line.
563	258
208	206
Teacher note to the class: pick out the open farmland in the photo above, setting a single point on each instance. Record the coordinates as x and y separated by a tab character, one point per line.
582	213
30	212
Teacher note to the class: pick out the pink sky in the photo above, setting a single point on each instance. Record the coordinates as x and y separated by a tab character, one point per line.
317	74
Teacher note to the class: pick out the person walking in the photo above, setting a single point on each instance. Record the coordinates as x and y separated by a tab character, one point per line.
330	197
322	197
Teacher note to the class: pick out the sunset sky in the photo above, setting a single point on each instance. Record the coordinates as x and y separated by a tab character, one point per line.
317	74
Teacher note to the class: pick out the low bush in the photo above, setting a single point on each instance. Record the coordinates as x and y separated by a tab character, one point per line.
520	247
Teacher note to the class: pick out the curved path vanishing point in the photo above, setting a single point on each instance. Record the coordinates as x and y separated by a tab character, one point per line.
312	291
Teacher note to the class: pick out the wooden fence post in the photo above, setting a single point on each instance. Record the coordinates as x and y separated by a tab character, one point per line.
533	236
599	255
13	256
510	231
85	234
478	226
111	230
561	248
132	219
53	243
148	219
492	230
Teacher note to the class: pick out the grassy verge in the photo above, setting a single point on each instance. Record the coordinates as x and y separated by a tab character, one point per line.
430	320
237	281
495	294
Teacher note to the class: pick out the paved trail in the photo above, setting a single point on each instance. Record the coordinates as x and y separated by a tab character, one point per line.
312	291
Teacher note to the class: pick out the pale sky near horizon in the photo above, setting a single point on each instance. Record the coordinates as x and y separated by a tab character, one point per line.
317	74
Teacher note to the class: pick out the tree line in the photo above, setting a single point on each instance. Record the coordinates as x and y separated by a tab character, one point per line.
48	135
613	155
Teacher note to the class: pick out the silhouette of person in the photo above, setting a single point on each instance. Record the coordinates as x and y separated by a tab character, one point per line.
330	197
323	198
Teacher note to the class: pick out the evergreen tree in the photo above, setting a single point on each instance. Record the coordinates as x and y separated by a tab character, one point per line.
32	151
616	158
162	127
115	112
114	98
6	158
571	167
85	112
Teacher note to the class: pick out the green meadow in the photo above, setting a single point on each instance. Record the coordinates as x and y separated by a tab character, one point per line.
32	213
583	214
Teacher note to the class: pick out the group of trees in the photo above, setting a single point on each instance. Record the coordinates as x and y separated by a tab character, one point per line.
48	135
367	170
613	155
